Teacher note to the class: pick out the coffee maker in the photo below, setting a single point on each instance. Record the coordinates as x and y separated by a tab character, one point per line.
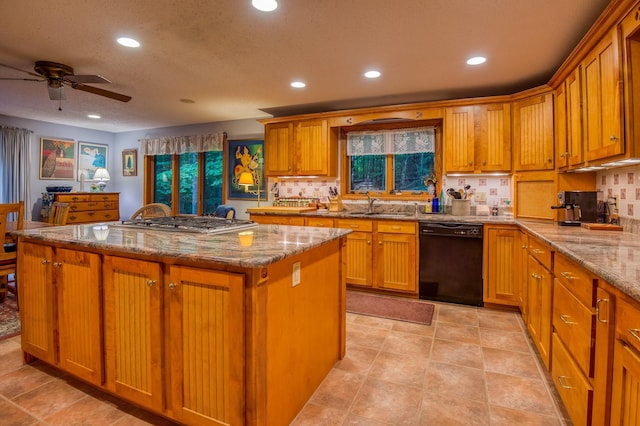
578	207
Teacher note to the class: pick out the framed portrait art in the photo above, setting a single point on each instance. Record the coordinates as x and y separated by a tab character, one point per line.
57	159
91	156
129	162
245	156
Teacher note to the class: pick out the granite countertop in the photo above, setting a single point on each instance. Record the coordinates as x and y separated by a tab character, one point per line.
271	243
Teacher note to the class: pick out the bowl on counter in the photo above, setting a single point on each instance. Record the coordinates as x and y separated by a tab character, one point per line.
59	188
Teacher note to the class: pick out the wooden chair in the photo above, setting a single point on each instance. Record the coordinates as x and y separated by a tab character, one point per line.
59	213
8	250
152	210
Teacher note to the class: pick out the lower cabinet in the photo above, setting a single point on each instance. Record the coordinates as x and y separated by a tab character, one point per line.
502	265
539	299
359	251
278	219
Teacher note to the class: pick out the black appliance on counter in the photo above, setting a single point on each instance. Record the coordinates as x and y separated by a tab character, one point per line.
578	207
451	262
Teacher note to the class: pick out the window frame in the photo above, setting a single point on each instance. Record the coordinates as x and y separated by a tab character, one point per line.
387	195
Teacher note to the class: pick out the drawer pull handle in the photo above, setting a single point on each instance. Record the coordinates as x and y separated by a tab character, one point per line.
395	228
598	310
537	251
524	246
568	275
172	286
57	264
536	276
565	319
635	332
562	380
45	261
151	283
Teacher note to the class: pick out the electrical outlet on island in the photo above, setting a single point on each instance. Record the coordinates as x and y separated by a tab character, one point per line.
295	276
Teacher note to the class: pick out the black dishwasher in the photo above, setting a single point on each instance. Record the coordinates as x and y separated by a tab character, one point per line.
451	262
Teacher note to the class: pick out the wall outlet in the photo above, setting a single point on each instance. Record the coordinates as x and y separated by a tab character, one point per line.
295	275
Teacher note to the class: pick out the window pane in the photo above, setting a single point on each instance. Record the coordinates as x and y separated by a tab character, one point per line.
188	191
411	169
162	183
368	173
212	181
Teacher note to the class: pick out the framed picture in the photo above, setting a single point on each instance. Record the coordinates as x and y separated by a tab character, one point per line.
91	156
57	159
246	156
129	162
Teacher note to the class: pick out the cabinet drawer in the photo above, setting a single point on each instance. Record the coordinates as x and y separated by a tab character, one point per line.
540	251
320	222
93	216
391	227
628	322
72	198
572	386
579	281
104	197
356	225
93	205
574	324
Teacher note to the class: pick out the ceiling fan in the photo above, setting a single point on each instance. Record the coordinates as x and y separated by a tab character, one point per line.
58	75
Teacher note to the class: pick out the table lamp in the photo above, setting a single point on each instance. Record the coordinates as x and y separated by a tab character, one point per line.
246	179
102	176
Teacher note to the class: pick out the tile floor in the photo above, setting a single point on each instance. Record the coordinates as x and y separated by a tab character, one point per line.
472	366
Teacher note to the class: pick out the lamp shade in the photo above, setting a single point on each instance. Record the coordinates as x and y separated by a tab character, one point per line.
101	175
246	178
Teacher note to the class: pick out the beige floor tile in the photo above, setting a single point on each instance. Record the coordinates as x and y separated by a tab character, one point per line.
453	411
317	415
465	354
363	335
458	333
501	416
458	314
501	320
387	402
413	328
338	389
361	421
49	398
455	381
520	393
88	410
11	415
500	339
357	359
405	369
509	362
25	379
407	343
375	322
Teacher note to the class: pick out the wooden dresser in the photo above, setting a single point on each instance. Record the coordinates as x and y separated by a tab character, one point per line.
89	207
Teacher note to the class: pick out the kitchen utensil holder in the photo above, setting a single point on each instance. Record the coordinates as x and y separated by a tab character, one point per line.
461	207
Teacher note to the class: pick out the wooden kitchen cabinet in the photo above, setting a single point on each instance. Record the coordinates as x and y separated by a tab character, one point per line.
533	147
602	96
395	259
568	121
278	219
477	138
205	328
502	252
300	148
133	330
540	297
85	207
319	222
359	251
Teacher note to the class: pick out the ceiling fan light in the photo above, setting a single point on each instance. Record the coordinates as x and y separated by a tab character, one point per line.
298	84
94	116
372	74
265	5
476	60
128	42
56	93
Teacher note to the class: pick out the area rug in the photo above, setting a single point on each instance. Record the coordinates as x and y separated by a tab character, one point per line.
397	308
9	317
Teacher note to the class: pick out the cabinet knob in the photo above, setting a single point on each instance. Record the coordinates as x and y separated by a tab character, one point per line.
484	162
368	242
380	243
524	246
172	286
57	264
613	137
151	283
45	261
471	163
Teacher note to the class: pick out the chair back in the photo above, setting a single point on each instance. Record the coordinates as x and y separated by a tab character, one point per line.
59	213
225	211
10	213
152	210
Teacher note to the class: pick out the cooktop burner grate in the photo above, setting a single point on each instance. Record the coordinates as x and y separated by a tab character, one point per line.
199	224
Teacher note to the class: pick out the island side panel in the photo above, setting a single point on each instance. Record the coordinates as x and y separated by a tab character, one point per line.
303	328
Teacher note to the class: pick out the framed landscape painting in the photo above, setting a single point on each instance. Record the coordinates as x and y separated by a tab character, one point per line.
57	159
245	156
129	162
91	156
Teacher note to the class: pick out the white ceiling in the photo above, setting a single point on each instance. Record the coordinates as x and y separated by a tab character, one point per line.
236	62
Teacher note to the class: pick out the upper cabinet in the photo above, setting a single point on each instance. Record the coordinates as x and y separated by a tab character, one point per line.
568	120
477	138
300	148
630	36
602	100
533	133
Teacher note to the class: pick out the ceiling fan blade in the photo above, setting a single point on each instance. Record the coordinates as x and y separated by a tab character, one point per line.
86	79
21	79
56	93
21	70
102	92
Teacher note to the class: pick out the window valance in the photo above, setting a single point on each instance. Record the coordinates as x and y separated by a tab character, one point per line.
182	144
392	141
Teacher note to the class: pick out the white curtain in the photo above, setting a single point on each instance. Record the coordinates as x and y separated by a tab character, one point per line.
182	144
393	141
15	156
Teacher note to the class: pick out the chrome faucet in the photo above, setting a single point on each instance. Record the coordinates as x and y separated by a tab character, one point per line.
370	202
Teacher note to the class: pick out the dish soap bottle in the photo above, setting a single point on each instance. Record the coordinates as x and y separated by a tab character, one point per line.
435	208
427	206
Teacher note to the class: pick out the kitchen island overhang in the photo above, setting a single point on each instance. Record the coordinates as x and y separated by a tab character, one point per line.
273	313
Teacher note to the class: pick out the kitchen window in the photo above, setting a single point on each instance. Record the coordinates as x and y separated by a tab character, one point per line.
390	160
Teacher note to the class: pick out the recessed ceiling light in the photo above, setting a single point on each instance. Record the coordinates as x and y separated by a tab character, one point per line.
372	74
298	84
476	60
128	42
94	116
265	5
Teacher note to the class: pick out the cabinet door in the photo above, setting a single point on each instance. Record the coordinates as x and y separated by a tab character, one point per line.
539	298
493	137
395	262
36	290
79	281
574	156
502	249
560	116
533	133
459	139
278	220
278	149
603	357
133	330
625	394
206	354
311	148
359	259
602	90
533	298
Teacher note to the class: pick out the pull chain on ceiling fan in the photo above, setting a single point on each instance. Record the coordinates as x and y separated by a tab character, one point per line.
58	75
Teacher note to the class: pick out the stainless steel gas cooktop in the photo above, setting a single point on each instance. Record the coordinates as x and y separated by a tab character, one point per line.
199	224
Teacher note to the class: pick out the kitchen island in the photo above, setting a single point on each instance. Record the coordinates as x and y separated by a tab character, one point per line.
195	327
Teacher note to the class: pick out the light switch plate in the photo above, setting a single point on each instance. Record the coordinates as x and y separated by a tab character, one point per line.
295	276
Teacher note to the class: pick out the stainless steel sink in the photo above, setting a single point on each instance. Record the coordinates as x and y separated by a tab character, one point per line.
381	214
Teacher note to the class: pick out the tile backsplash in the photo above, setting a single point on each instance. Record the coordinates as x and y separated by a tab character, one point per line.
623	183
